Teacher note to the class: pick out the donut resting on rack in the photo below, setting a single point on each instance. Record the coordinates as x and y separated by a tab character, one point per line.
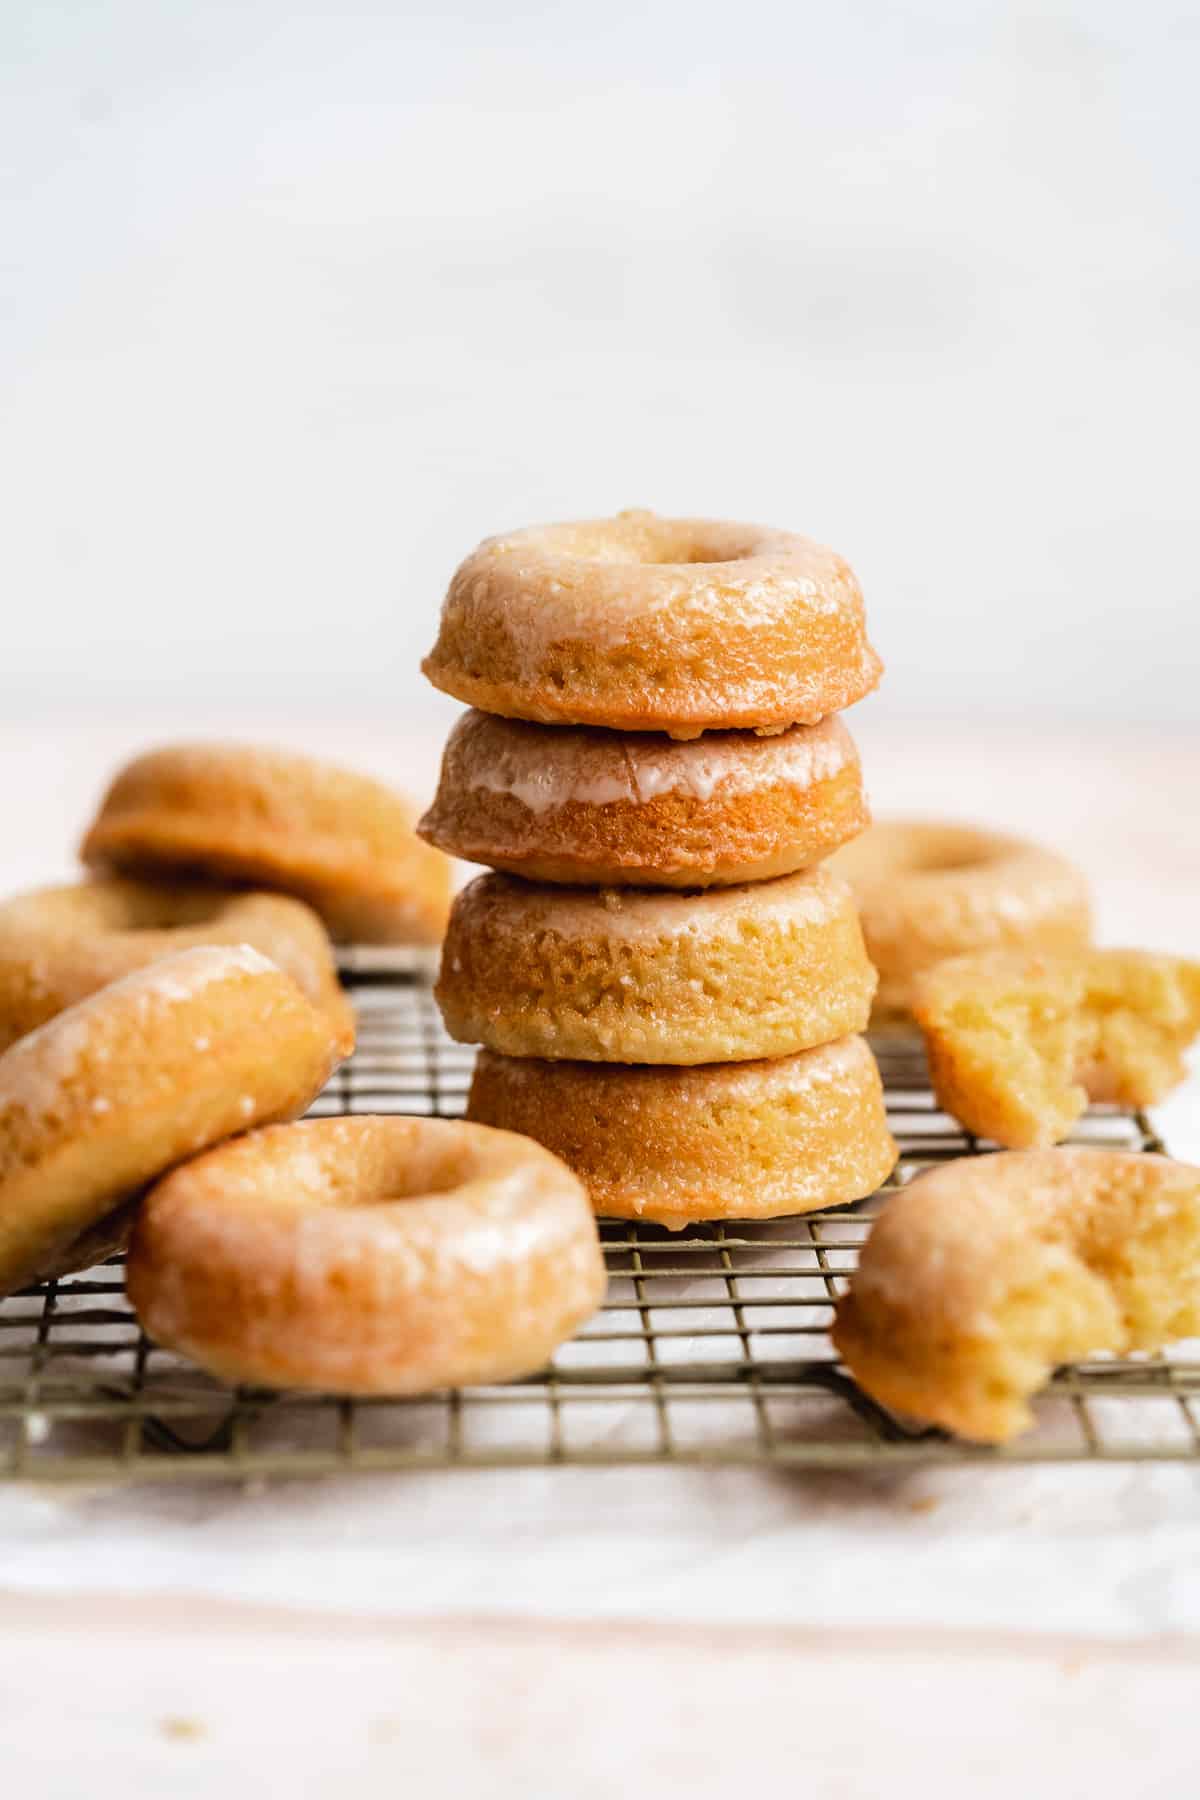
114	1091
984	1274
61	944
368	1256
274	819
751	1140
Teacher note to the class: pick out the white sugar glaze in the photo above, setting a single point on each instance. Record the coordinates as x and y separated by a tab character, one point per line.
37	1069
607	579
546	768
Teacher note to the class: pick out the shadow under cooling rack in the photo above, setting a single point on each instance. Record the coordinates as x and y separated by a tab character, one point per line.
712	1346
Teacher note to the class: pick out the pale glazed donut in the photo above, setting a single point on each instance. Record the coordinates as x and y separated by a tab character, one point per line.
1019	1042
928	890
632	975
222	812
114	1091
59	945
367	1256
650	624
728	1141
985	1273
608	809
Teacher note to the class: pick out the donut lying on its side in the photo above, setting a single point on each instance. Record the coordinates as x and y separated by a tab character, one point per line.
984	1274
114	1091
61	944
273	819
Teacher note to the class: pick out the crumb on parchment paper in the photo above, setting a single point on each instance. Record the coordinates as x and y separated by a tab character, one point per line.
181	1730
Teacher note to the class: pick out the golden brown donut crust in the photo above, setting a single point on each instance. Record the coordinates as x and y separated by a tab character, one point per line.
984	1274
635	975
61	944
367	1256
609	809
929	889
227	813
114	1091
642	623
1019	1043
727	1141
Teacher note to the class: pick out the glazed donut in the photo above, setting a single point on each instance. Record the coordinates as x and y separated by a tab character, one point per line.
59	945
607	809
218	812
928	891
112	1092
1018	1043
985	1273
367	1256
735	1141
632	975
649	624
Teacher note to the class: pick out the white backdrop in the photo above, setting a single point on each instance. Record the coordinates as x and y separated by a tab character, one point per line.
302	301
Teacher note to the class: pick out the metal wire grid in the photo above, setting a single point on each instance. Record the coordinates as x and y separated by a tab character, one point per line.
712	1347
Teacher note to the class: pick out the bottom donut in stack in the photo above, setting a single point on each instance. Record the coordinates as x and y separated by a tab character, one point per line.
634	975
750	1140
689	1055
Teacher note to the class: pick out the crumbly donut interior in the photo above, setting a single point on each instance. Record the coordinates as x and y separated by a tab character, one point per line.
1015	1057
1128	1283
141	907
1139	1014
1018	1047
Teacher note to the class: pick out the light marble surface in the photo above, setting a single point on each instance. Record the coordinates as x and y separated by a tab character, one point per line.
319	1706
1004	1584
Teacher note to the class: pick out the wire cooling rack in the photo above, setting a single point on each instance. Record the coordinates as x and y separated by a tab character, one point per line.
712	1347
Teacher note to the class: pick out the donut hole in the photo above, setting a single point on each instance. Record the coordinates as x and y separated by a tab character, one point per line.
642	540
135	908
947	862
423	1171
686	556
948	851
373	1167
893	849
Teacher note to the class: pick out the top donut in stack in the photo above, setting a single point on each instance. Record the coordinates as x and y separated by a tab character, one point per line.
655	767
640	623
660	630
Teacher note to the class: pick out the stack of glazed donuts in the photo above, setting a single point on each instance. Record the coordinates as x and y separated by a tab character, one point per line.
668	985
